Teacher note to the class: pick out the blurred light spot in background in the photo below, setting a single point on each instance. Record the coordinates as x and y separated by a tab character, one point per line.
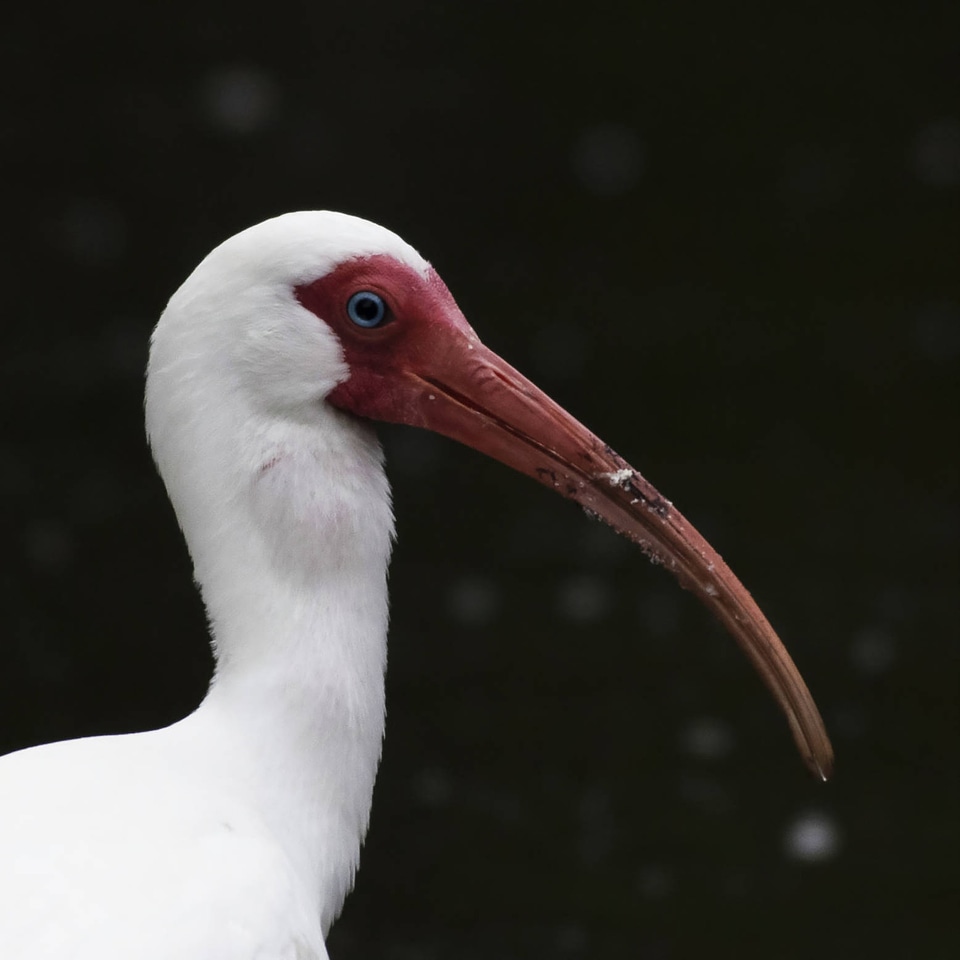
873	651
473	601
812	837
815	175
654	882
124	346
239	100
571	939
14	473
40	648
90	231
597	826
938	331
584	599
659	613
608	158
936	153
507	264
706	738
97	496
706	796
495	801
48	545
735	885
850	721
560	350
432	788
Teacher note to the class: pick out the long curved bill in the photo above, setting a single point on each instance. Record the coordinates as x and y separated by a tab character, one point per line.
471	395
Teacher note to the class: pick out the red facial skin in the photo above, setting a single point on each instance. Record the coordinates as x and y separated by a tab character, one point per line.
425	367
423	325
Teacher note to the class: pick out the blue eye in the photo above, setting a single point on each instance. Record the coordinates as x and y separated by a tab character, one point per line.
367	309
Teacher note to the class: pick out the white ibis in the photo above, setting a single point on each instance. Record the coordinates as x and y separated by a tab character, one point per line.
235	833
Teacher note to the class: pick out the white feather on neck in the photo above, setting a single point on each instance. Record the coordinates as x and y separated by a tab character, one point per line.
286	511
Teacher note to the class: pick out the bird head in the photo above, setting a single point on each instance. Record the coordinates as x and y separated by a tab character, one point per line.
317	311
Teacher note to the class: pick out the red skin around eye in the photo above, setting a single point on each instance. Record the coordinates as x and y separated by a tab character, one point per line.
423	320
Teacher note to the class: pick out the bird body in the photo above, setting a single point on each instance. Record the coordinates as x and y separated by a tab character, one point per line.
235	833
151	846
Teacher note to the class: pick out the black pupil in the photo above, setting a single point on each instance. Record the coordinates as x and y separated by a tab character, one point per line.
367	308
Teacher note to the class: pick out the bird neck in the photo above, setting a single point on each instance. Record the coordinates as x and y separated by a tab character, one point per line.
292	560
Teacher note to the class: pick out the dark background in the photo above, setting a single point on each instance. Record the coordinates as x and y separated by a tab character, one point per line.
725	237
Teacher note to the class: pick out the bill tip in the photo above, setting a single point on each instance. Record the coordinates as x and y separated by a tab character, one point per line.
822	768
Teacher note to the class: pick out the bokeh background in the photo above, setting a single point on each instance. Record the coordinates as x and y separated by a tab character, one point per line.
725	237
